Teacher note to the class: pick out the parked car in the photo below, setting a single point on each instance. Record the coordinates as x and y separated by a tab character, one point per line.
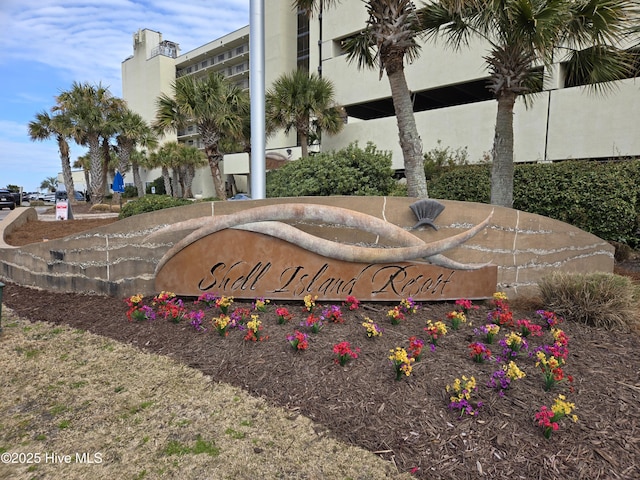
7	199
62	195
240	196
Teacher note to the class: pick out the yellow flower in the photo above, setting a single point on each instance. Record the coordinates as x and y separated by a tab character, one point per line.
254	323
492	328
513	372
136	298
500	296
562	408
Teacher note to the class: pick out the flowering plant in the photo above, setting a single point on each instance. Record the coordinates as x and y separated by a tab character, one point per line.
260	304
344	353
559	347
501	314
208	299
310	302
457	317
134	300
298	340
137	311
401	362
408	305
141	313
223	303
395	315
313	322
283	315
240	315
460	398
527	328
501	379
163	298
489	331
466	305
254	330
333	314
352	302
170	307
415	348
196	318
551	369
550	318
479	352
512	344
373	330
435	331
222	324
548	418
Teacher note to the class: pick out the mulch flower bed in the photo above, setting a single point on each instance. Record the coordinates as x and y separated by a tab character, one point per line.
406	419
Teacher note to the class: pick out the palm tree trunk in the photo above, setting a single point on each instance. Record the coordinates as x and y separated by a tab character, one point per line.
175	182
502	168
213	157
167	181
63	146
137	181
408	132
190	173
304	143
96	163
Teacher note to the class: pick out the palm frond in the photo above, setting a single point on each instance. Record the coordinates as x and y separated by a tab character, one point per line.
598	66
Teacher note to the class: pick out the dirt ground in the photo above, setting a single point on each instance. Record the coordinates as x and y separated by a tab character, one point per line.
407	422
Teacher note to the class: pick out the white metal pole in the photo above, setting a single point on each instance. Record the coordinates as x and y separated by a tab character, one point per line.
256	90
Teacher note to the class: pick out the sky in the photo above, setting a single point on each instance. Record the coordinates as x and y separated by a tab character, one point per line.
46	45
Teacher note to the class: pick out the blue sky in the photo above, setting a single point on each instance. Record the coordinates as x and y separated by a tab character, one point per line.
46	45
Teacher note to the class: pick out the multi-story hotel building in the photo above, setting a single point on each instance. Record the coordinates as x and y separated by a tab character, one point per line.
451	104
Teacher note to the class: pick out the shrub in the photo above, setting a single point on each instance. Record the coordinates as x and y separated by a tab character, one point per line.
598	197
151	203
159	184
130	192
602	300
104	207
350	171
439	159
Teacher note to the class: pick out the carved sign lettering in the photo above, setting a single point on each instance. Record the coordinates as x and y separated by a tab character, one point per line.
250	265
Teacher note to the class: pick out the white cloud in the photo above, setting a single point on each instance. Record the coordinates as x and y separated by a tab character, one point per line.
88	40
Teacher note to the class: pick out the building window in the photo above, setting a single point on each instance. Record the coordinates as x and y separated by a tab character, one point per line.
240	50
302	53
203	64
221	57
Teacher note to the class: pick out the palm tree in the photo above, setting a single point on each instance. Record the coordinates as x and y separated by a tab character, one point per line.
189	159
305	103
214	105
89	107
43	128
523	34
50	184
387	40
166	157
84	162
138	158
131	130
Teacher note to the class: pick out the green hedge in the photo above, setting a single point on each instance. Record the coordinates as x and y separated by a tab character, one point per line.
151	203
350	171
598	197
